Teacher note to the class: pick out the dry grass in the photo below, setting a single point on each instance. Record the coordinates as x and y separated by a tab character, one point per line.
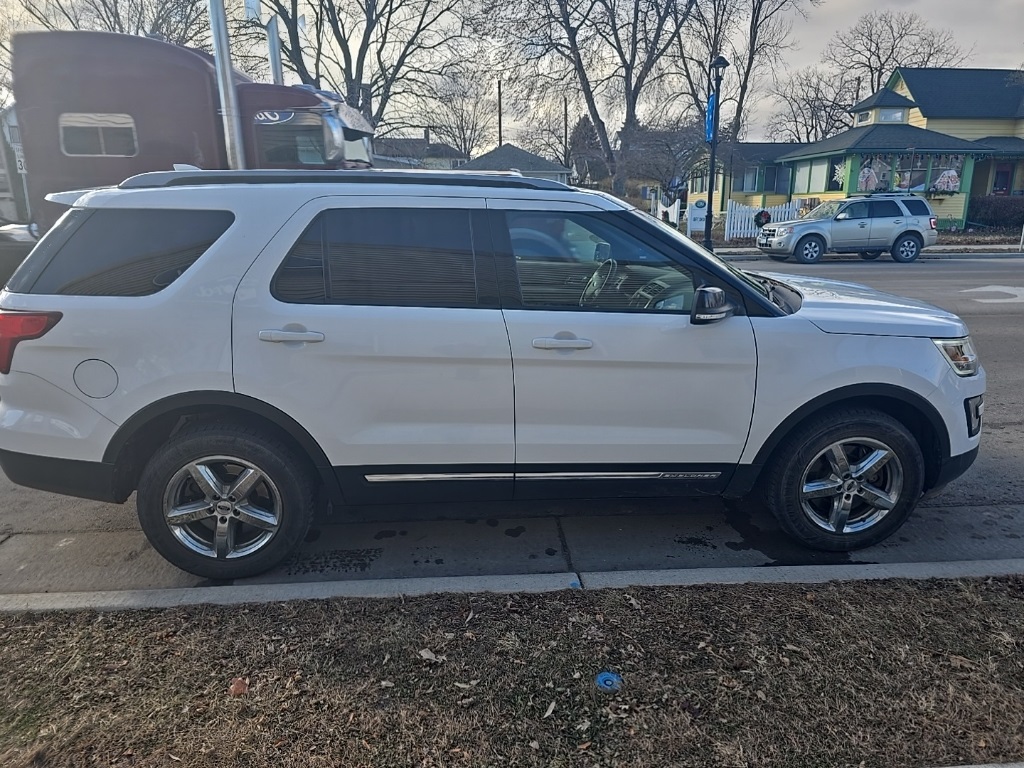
863	674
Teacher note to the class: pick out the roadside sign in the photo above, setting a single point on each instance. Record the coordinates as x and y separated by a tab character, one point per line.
19	156
709	119
696	215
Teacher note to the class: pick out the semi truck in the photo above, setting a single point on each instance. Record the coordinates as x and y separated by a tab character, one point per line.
93	108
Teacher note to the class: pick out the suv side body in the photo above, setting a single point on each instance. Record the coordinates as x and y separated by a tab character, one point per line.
419	338
866	225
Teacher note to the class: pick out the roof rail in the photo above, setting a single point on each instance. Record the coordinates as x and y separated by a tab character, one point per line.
456	178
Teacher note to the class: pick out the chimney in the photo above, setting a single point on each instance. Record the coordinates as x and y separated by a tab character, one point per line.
426	135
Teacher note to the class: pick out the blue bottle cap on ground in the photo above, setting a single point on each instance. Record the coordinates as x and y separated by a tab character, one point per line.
608	681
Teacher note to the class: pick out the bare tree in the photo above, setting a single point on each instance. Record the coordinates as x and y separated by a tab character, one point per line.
665	154
5	59
547	132
376	53
181	22
882	41
813	105
584	152
608	51
462	111
752	34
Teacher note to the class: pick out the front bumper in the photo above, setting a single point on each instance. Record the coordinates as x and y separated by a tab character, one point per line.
778	245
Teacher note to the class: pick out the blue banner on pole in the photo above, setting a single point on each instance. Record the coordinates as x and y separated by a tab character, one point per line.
709	119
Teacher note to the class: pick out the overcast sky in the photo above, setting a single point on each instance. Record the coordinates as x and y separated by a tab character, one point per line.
993	28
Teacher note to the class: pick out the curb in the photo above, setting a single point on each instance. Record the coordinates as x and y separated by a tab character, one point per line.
538	582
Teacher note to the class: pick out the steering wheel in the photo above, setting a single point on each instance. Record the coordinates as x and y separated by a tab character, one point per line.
530	243
598	281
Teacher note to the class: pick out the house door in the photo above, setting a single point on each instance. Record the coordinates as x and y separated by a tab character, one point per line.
1003	179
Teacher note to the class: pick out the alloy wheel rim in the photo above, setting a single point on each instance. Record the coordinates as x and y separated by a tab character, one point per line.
222	507
908	249
851	486
812	250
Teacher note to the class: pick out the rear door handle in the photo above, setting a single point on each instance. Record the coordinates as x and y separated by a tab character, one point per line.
549	342
278	336
897	221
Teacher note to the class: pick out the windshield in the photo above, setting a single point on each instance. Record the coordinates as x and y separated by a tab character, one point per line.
825	210
683	239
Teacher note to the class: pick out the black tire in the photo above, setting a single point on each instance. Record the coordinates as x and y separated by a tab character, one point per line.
281	501
803	457
906	249
870	255
810	250
778	256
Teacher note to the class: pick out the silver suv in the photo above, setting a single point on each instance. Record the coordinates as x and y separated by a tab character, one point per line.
901	224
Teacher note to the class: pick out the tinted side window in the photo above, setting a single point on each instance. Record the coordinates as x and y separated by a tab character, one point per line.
131	252
401	257
917	207
885	209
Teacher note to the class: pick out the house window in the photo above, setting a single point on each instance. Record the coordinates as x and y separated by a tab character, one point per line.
947	172
863	118
803	178
875	173
744	180
819	176
97	135
891	115
911	173
836	174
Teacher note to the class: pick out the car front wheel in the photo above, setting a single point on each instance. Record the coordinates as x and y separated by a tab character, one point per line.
846	480
810	250
224	501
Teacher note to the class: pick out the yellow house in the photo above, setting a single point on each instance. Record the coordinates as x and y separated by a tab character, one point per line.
949	135
981	105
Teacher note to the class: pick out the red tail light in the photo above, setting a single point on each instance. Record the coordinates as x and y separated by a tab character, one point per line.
16	327
933	222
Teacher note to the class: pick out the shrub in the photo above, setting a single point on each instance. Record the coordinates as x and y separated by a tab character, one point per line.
997	211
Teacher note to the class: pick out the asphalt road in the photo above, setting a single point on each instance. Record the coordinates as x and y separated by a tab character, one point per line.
54	544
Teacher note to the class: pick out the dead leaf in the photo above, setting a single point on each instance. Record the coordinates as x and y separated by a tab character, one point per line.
982	744
633	601
467	686
470	617
761	695
174	758
584	745
239	686
793	648
810	597
534	745
551	708
428	655
386	684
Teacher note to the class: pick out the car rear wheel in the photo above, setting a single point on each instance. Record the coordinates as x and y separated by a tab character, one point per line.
224	501
906	249
870	255
810	250
846	480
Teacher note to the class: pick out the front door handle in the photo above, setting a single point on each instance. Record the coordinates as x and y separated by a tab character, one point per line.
278	336
549	342
863	225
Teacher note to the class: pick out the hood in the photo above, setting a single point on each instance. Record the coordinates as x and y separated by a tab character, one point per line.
839	307
789	222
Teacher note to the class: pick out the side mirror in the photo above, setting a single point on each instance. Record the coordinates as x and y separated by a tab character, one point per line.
709	306
842	216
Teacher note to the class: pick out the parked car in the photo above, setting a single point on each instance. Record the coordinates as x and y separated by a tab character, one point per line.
901	224
235	346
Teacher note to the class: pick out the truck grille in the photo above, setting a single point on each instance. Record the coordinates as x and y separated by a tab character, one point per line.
767	232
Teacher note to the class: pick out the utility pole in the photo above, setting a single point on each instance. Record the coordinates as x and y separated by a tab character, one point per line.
499	114
565	129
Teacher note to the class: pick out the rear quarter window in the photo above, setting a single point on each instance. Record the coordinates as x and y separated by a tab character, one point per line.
119	252
917	207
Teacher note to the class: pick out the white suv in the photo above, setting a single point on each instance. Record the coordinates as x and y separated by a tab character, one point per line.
237	345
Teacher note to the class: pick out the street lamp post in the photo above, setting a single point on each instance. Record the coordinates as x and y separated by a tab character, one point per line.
718	67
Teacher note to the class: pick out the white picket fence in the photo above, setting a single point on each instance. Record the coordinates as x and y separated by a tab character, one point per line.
739	218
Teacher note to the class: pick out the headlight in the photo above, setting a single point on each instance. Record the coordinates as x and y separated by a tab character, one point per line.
780	231
960	354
